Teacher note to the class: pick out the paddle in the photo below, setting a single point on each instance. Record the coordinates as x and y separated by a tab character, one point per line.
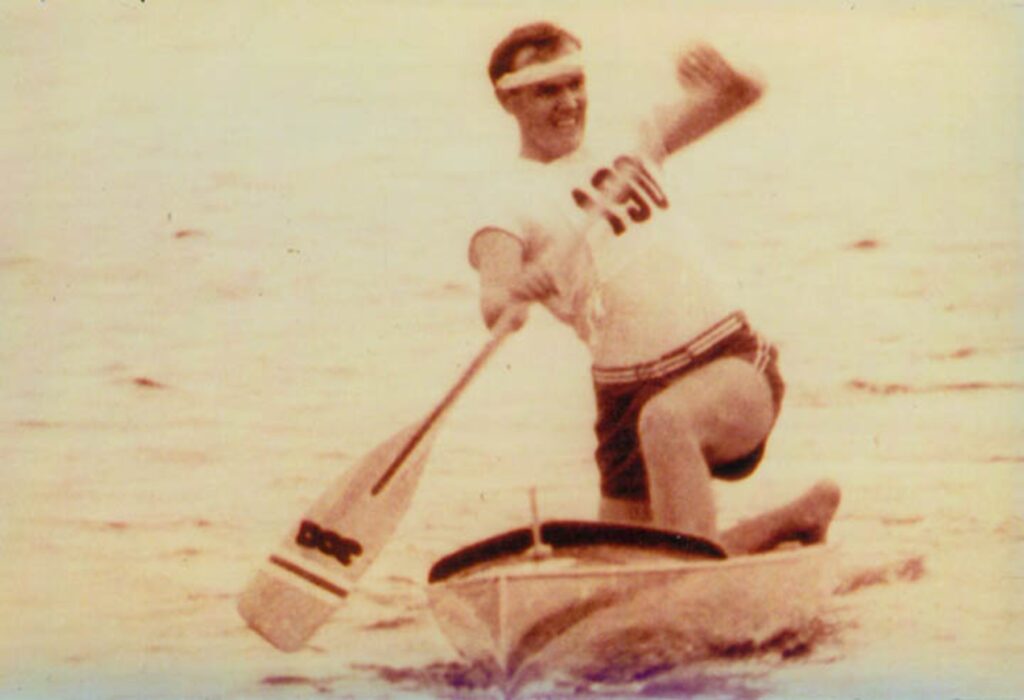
306	578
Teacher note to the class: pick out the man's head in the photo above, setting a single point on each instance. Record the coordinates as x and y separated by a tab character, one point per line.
538	78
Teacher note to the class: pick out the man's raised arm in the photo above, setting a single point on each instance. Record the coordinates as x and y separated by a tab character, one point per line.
716	92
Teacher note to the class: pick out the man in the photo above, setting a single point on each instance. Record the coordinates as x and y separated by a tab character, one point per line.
686	390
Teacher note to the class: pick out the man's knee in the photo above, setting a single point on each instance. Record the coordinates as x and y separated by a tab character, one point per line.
664	421
725	409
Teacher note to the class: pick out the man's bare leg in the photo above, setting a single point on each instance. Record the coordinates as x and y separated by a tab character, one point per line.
715	414
805	520
718	413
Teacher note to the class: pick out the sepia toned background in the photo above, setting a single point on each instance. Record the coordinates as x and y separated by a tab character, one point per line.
232	261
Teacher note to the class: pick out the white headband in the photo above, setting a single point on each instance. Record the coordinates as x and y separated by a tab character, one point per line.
568	64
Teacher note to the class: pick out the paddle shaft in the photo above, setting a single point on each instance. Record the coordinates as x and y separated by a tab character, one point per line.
502	331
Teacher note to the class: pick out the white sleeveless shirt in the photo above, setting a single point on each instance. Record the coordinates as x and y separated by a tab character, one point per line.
630	278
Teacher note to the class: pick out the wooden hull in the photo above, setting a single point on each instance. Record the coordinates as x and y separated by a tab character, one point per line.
591	609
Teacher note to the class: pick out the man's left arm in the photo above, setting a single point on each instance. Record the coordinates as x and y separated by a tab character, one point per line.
716	93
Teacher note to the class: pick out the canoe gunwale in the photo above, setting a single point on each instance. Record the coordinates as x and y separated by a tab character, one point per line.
533	571
562	534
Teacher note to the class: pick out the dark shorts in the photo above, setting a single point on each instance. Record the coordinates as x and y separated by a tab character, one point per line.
623	391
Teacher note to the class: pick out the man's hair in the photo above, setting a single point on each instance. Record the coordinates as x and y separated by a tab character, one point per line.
545	37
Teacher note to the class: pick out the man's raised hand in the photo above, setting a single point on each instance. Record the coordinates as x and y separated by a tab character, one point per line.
701	68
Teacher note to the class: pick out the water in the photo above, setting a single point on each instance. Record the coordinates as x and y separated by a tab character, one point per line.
232	260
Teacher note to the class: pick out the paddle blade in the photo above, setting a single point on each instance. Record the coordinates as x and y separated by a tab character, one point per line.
307	577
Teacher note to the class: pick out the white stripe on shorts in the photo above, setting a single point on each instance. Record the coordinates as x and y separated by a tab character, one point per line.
681	357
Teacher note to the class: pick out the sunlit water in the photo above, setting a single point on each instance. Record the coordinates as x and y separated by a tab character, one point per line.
232	260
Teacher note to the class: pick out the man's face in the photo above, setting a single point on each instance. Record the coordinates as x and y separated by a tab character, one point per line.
551	115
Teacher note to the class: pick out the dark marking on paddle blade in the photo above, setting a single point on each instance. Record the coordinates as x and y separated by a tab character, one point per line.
309	576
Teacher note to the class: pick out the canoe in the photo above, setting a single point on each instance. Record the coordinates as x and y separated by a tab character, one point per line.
595	598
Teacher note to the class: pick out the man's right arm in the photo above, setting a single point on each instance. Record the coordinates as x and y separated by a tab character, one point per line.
507	283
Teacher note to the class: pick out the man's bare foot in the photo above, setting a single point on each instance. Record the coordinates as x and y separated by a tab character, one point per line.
812	513
806	521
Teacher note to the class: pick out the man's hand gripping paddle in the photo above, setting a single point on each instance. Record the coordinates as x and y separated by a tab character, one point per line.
306	578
